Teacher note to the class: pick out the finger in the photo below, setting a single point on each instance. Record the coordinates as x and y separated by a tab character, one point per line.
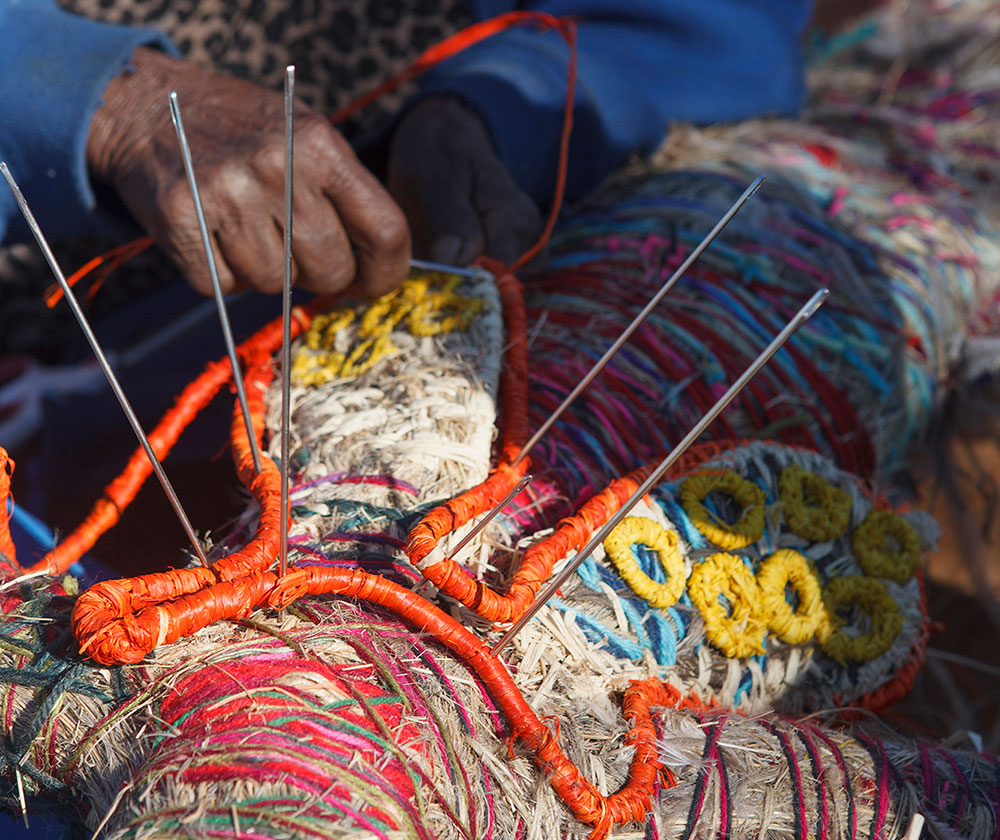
374	222
177	232
320	246
510	232
446	249
506	247
473	243
511	219
454	233
254	253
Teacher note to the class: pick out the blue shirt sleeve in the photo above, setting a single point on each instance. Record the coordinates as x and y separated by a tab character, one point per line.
54	68
643	64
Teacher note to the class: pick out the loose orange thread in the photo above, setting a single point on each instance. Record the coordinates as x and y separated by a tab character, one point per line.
110	260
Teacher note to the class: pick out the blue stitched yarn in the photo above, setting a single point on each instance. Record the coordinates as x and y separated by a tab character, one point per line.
604	637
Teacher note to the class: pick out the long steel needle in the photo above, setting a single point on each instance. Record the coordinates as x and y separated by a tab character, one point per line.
800	318
487	518
637	321
490	516
427	265
286	317
103	362
213	271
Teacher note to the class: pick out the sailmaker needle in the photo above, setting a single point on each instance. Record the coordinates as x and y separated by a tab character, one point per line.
487	518
490	515
213	271
286	317
102	360
427	265
797	321
637	321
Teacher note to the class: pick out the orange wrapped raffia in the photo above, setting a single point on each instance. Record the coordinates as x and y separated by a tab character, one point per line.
119	494
123	620
632	802
6	470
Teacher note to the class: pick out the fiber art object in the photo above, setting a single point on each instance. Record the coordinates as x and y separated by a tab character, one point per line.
883	189
698	676
721	581
337	720
363	740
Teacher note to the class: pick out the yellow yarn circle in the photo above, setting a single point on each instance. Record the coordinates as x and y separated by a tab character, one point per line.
746	494
787	567
813	507
740	633
875	552
870	595
636	529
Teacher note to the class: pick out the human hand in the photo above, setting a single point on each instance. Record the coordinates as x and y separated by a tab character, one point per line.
347	230
458	196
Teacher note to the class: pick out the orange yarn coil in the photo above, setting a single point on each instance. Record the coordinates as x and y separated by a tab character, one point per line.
6	470
632	802
193	399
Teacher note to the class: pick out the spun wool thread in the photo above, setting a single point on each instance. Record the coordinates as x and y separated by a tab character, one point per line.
790	568
747	529
814	508
877	557
634	529
883	612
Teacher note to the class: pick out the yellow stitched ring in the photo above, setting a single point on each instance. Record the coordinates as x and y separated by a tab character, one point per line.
636	529
787	567
876	553
813	507
738	632
870	595
745	493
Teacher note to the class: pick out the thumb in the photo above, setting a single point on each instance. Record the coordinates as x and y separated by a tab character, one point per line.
456	235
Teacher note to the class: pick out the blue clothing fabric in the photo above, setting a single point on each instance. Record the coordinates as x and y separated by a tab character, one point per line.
54	68
642	65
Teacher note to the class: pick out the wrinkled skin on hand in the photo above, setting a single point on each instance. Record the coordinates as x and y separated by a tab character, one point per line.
458	196
348	232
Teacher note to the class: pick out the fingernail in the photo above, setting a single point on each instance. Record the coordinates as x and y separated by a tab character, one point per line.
446	249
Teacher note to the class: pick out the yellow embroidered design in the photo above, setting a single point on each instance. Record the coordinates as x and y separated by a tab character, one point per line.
813	507
429	305
887	546
871	597
746	494
636	529
787	567
739	631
